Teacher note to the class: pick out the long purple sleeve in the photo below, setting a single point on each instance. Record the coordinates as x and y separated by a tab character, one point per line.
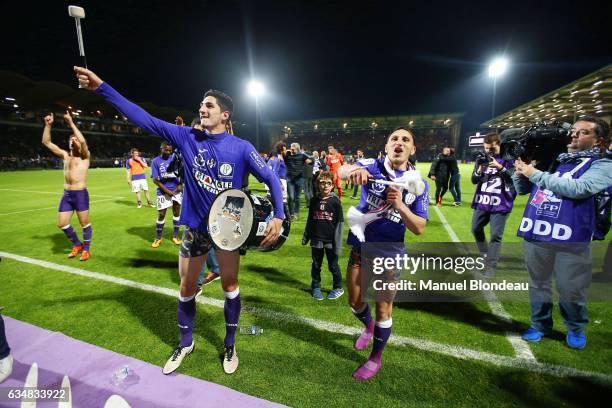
264	174
167	131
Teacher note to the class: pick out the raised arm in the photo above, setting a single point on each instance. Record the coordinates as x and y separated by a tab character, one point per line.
46	139
172	133
77	133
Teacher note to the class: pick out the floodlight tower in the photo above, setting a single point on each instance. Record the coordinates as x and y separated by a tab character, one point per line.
496	69
256	89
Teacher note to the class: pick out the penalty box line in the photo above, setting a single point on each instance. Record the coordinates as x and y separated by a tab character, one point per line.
520	346
421	344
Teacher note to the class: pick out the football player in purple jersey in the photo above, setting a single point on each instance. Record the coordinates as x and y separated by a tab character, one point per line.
213	160
398	210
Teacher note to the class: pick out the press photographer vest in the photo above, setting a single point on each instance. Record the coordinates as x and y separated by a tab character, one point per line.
492	193
549	218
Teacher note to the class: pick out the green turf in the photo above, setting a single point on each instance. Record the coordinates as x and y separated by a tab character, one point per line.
290	363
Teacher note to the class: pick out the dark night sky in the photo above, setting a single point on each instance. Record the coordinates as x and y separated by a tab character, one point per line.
318	58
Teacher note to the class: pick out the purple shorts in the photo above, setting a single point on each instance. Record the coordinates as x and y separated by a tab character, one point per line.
74	200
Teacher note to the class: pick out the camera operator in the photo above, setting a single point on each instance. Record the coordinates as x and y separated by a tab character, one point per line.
493	199
561	209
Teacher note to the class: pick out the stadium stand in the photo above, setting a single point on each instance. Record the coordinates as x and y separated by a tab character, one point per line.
432	132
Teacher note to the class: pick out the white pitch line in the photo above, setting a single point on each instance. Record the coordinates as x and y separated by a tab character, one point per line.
520	346
426	345
52	192
50	208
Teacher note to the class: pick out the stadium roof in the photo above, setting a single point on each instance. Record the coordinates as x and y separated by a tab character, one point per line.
591	94
434	121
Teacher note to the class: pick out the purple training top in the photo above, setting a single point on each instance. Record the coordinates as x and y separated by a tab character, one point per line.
212	162
389	227
552	218
494	195
278	166
159	167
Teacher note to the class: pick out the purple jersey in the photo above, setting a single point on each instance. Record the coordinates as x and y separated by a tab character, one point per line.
550	218
278	166
159	167
389	227
212	162
494	193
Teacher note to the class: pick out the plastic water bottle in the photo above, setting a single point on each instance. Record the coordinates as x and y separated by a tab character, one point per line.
252	330
120	374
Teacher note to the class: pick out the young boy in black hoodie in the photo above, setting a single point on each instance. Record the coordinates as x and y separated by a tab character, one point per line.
324	231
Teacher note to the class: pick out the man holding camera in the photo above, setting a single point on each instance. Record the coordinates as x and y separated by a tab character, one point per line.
558	225
492	200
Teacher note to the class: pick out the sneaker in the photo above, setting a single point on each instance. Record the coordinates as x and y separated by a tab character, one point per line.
139	204
6	367
156	243
316	294
230	360
84	256
576	339
75	251
533	335
150	204
177	357
211	277
335	294
365	337
177	241
367	370
456	204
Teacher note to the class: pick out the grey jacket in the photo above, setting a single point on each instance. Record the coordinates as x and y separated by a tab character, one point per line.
597	178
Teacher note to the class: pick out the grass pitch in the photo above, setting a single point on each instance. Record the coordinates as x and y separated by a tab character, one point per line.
291	363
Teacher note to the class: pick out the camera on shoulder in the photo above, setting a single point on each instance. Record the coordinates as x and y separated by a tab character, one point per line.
541	142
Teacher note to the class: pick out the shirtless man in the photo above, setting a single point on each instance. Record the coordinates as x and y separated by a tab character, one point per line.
75	197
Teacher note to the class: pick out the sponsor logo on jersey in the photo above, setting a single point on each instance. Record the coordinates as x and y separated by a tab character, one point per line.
560	232
257	159
210	184
226	170
547	204
409	198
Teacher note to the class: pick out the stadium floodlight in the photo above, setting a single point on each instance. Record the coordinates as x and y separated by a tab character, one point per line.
498	67
256	88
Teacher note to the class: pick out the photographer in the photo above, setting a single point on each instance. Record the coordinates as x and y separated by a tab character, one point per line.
561	209
492	200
